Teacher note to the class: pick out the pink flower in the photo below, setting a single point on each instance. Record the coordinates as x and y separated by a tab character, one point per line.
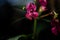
28	16
31	15
31	11
43	8
43	2
31	7
35	15
54	31
55	26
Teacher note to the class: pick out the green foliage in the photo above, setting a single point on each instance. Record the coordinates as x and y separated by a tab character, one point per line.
39	27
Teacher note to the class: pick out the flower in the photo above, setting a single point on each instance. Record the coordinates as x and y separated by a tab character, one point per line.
55	26
35	15
43	2
31	7
42	8
28	16
54	31
31	11
31	15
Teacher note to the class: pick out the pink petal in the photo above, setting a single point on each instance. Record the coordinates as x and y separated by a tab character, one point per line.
28	16
31	6
54	31
27	6
35	15
43	2
43	8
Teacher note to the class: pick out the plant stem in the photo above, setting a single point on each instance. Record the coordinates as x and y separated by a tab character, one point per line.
34	30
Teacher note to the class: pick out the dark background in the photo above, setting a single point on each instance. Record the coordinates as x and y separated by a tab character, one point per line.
7	15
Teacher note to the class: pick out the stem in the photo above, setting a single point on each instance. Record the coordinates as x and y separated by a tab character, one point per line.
34	30
44	15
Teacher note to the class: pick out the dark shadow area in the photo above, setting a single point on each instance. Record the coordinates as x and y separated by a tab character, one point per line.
8	30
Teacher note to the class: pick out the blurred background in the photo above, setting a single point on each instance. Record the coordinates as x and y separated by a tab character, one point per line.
13	22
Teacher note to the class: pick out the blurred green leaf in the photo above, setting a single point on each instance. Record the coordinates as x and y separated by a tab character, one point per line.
18	20
17	37
21	36
42	25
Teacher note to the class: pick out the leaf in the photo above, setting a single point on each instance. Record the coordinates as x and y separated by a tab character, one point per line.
39	28
18	20
17	37
42	25
21	14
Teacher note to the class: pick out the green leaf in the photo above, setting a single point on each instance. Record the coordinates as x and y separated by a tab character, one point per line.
42	25
17	37
18	20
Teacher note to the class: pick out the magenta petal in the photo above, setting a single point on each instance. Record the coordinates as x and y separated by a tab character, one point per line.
43	2
34	6
28	16
35	15
31	6
28	7
43	8
54	31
